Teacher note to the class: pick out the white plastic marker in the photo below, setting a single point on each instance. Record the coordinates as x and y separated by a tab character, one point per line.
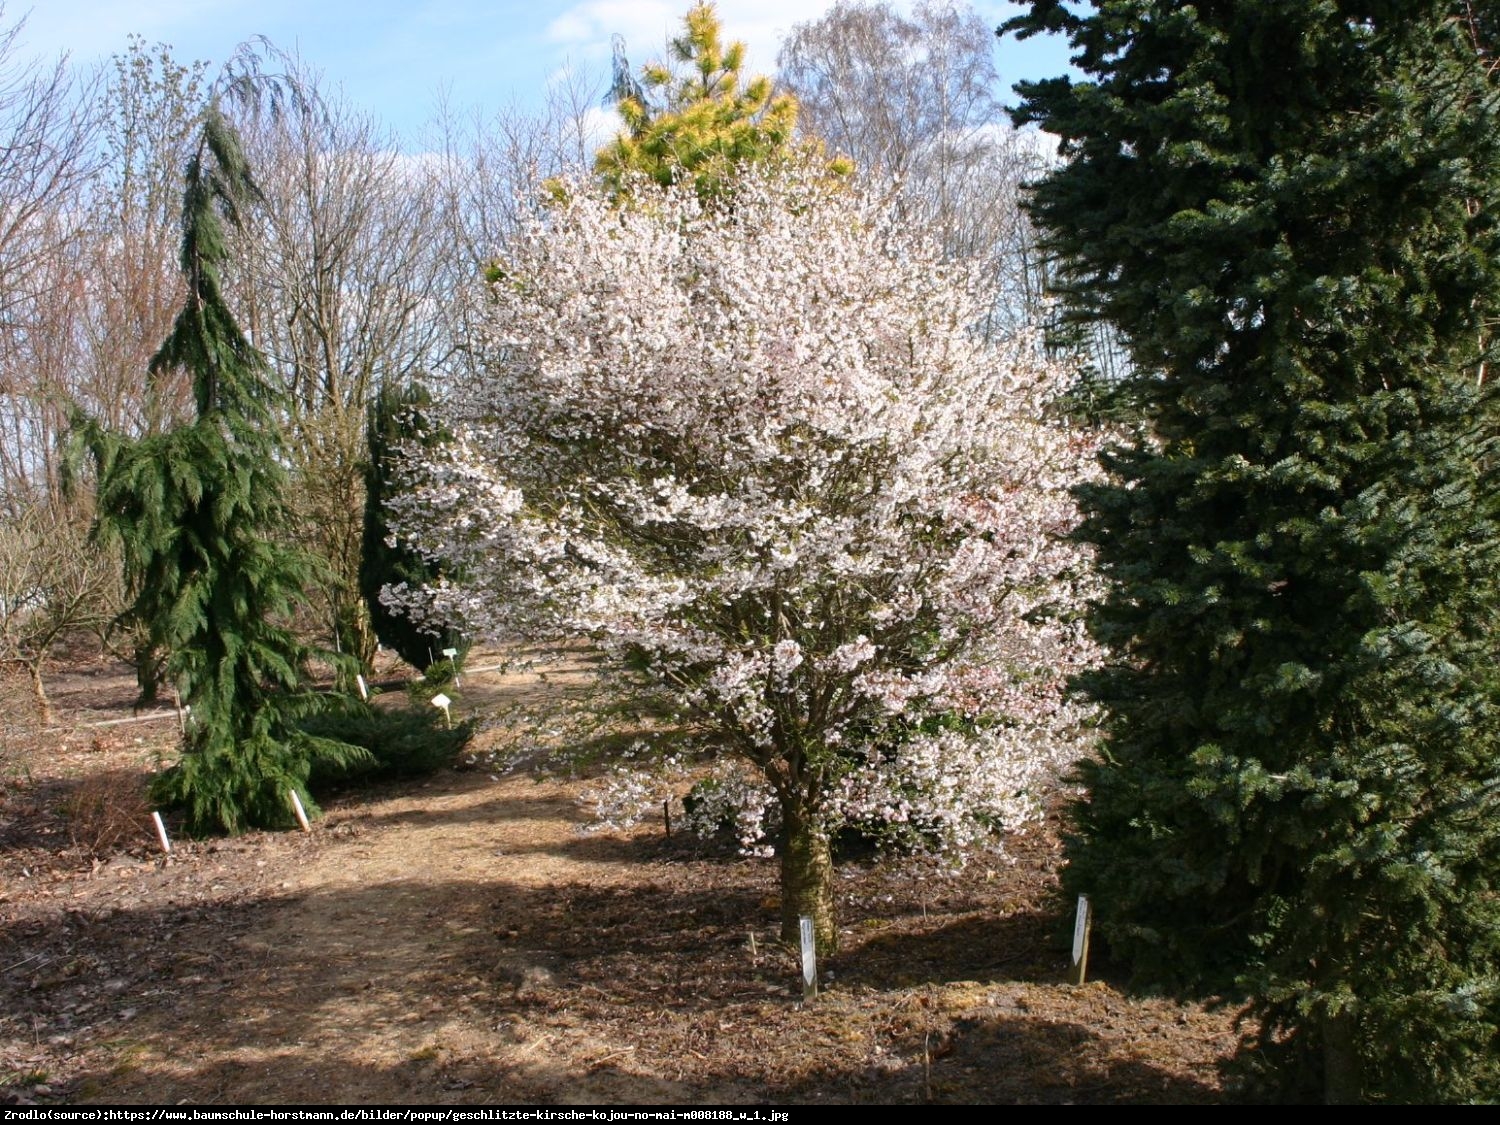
299	810
161	833
441	700
452	655
809	959
1078	971
364	689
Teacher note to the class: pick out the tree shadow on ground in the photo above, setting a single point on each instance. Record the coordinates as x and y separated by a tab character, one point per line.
658	984
992	1057
465	992
980	947
500	807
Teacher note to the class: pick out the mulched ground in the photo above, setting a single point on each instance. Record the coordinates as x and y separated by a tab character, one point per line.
462	941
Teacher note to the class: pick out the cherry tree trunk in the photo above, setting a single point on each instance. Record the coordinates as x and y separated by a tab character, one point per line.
806	881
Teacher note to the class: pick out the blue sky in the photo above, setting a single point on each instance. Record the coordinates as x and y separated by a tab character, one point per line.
397	58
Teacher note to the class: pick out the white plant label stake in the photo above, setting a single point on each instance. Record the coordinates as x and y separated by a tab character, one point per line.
452	655
1080	967
441	700
299	810
161	833
809	959
364	688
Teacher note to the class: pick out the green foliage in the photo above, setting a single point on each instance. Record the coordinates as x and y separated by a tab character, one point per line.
439	677
197	512
224	786
400	742
1289	211
709	122
398	419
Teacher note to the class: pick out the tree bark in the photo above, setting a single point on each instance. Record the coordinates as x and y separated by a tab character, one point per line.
806	880
39	693
150	665
355	633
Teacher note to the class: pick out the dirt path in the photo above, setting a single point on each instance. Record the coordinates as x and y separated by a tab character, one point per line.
460	941
378	976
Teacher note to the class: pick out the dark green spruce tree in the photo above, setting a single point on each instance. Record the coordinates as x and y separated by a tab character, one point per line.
1288	209
397	419
200	516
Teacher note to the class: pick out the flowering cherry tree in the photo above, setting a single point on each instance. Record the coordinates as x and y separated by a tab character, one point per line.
756	453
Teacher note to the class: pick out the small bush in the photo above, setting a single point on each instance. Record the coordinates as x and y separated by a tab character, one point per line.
401	743
438	677
108	810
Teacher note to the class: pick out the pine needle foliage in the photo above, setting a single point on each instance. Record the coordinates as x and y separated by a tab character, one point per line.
1289	211
198	512
700	118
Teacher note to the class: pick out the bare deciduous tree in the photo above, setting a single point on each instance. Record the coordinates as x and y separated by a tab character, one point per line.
133	283
46	159
339	285
53	582
914	101
492	165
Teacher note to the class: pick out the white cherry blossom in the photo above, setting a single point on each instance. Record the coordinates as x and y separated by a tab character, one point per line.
757	454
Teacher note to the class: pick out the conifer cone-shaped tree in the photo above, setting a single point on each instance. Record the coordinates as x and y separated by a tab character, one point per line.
709	120
1289	211
199	513
398	418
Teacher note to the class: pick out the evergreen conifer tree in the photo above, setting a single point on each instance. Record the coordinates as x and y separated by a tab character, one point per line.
198	512
397	418
709	121
1289	210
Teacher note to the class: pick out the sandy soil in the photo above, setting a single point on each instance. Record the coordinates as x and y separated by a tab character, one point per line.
462	940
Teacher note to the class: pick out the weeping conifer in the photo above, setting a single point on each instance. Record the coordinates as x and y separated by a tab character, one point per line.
200	513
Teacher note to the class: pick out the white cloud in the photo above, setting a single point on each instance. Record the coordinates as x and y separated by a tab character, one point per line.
588	27
585	29
599	127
